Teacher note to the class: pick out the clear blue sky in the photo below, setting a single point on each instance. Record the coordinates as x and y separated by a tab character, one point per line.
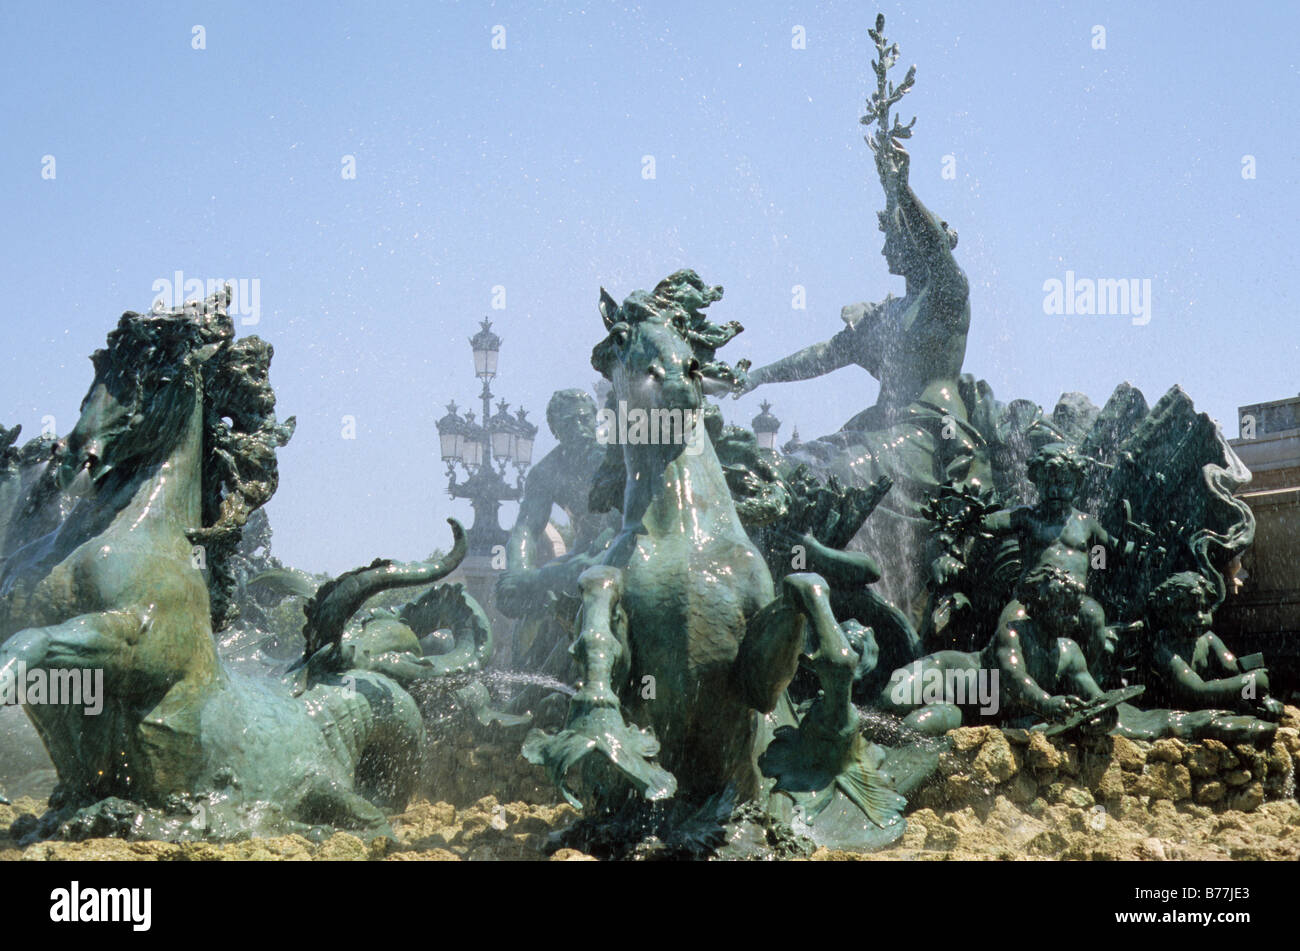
522	167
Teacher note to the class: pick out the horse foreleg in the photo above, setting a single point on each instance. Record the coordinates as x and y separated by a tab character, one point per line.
826	752
595	722
775	638
81	662
85	642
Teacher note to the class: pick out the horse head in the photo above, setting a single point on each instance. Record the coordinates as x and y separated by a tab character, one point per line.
648	358
148	379
159	376
657	353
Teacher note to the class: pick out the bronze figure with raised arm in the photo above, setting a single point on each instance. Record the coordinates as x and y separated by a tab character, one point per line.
919	432
914	345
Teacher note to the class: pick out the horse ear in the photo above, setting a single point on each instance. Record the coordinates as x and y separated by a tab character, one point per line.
608	309
606	352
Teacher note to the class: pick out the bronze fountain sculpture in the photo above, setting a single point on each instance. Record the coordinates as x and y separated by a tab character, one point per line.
175	447
737	629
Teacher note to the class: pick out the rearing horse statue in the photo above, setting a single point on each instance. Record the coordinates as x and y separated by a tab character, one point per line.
680	631
174	448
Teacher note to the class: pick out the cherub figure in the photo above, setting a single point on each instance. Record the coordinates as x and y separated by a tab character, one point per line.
1054	533
1032	669
688	291
1189	667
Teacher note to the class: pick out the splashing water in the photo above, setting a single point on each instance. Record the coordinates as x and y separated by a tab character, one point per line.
499	678
889	730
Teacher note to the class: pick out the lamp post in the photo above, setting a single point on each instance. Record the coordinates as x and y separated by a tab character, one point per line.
765	426
486	450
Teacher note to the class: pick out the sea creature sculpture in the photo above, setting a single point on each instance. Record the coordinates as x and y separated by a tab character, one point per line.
174	448
683	642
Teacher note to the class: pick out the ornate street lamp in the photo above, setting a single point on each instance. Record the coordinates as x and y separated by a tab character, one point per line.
765	426
503	435
475	442
451	435
524	442
501	438
486	346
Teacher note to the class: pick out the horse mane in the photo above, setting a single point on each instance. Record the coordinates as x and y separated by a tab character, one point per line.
661	307
240	430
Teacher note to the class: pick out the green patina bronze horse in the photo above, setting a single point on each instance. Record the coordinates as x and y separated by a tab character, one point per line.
682	633
174	448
